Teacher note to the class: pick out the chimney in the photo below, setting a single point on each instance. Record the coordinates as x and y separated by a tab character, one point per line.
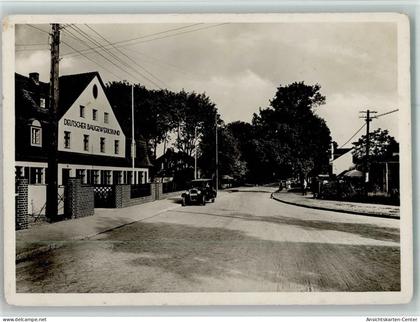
34	77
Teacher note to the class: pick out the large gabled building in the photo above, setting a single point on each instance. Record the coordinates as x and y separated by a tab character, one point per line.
91	143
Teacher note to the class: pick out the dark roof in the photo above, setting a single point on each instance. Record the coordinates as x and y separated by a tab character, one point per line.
341	151
170	154
27	92
71	86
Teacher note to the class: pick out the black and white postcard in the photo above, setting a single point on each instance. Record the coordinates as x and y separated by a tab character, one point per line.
207	159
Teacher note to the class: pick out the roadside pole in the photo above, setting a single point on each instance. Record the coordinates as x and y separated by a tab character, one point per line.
217	156
368	118
195	153
52	175
133	142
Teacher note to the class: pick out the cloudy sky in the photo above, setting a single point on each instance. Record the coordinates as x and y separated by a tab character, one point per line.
238	66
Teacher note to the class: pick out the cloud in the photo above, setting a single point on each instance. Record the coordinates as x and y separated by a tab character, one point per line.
237	98
342	114
239	66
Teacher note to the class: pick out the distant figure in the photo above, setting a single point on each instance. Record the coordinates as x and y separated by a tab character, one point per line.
305	184
280	186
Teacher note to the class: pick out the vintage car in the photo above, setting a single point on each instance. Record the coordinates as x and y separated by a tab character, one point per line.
199	191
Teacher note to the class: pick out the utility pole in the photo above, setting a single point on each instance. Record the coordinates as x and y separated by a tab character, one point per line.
367	116
195	153
133	142
52	176
217	156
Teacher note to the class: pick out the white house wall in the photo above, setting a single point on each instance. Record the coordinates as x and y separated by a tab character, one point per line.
111	131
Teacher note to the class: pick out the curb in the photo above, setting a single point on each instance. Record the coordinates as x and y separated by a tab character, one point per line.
43	249
335	210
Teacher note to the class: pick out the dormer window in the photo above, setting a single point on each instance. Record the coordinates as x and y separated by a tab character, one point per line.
106	117
36	133
42	102
82	111
94	114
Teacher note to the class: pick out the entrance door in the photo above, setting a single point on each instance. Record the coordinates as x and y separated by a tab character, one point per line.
65	175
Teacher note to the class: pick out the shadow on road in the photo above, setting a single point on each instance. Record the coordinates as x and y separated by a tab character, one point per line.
167	257
363	230
192	253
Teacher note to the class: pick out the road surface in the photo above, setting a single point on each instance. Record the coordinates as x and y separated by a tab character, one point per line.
243	242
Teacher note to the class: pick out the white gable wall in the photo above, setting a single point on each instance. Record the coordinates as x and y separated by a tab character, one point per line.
79	126
342	163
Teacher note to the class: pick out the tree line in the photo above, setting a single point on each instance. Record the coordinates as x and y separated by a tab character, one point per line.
284	139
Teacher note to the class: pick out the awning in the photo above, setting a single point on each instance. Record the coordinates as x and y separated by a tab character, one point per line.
354	174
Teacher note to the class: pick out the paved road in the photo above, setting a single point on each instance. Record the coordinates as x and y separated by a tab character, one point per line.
245	241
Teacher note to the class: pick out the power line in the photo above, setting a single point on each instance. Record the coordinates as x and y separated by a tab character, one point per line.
125	55
77	50
383	114
376	116
27	45
147	36
31	49
39	29
96	63
160	62
184	32
99	53
95	42
353	135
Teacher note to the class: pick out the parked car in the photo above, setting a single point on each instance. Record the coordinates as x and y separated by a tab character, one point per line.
199	192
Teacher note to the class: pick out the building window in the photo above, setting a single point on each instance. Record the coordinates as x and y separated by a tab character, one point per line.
94	114
95	91
35	175
117	147
129	177
82	111
81	174
66	139
106	117
117	179
103	145
36	133
42	102
19	172
95	176
86	142
105	176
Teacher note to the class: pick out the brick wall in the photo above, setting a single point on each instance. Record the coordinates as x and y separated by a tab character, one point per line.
79	201
21	204
123	199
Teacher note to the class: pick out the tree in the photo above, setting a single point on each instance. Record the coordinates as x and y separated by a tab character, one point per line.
195	114
381	148
292	139
153	112
229	154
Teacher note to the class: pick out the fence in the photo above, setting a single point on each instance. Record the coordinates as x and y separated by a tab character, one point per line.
168	187
104	196
140	190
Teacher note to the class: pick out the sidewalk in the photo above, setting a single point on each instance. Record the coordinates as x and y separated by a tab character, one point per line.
39	239
357	208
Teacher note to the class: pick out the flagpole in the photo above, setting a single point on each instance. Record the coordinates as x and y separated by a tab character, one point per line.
133	144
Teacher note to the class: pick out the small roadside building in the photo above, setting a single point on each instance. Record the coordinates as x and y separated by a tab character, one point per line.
91	143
